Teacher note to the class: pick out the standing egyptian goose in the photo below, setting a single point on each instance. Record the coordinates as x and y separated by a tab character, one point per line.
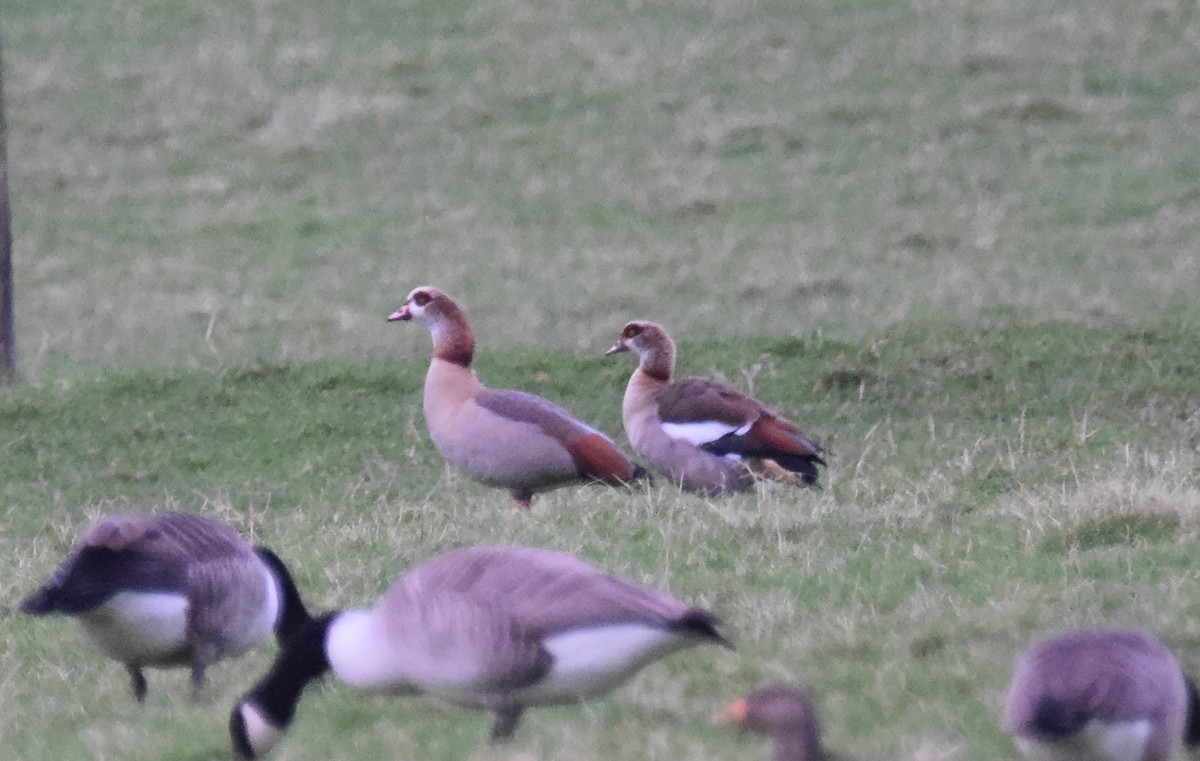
494	628
500	437
171	589
705	436
1102	695
784	713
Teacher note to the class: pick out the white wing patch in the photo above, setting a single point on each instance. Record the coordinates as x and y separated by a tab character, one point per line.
701	433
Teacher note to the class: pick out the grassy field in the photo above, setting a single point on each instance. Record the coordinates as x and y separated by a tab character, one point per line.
956	239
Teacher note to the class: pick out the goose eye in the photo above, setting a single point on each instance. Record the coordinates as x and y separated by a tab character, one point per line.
421	298
632	331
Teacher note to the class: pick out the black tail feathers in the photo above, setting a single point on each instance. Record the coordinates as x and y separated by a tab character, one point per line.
1053	718
702	624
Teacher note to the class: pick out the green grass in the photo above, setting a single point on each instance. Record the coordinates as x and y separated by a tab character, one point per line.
986	485
956	239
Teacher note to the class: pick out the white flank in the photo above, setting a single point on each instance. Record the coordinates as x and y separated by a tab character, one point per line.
261	734
1097	741
139	627
700	433
591	661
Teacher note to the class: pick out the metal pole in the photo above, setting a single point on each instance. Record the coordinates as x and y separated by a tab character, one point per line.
8	337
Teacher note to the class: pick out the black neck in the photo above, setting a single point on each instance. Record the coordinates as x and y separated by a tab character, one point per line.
301	660
1191	731
292	613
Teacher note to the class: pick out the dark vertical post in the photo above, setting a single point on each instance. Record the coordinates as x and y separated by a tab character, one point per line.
8	333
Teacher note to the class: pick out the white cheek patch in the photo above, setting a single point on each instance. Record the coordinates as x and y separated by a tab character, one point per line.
701	433
261	734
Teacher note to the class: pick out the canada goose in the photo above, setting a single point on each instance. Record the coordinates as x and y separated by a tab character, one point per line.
1101	695
170	589
705	436
510	439
495	628
783	713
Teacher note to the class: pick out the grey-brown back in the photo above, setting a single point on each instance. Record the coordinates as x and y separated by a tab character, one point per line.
142	552
545	591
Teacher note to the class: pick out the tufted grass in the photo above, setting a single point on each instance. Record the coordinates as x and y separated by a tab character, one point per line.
987	485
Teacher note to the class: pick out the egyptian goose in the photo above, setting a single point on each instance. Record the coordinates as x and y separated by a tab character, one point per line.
171	589
494	628
706	437
503	438
783	713
1101	695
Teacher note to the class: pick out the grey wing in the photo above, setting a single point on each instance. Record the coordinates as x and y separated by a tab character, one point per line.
227	605
132	552
1106	675
545	591
182	535
454	643
534	410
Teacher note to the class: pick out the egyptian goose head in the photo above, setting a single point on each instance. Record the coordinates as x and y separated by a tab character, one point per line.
447	323
653	346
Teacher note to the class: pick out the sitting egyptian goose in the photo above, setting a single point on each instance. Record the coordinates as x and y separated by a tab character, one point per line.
171	589
783	713
495	628
504	438
706	437
1102	695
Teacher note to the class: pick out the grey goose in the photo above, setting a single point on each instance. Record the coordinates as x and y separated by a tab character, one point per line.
1101	695
785	714
704	436
170	589
492	628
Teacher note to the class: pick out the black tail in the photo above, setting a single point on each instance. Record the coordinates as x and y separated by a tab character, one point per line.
89	577
700	623
1053	718
1191	731
41	602
802	465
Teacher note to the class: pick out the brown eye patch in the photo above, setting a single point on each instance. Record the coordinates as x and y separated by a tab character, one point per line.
631	330
421	298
